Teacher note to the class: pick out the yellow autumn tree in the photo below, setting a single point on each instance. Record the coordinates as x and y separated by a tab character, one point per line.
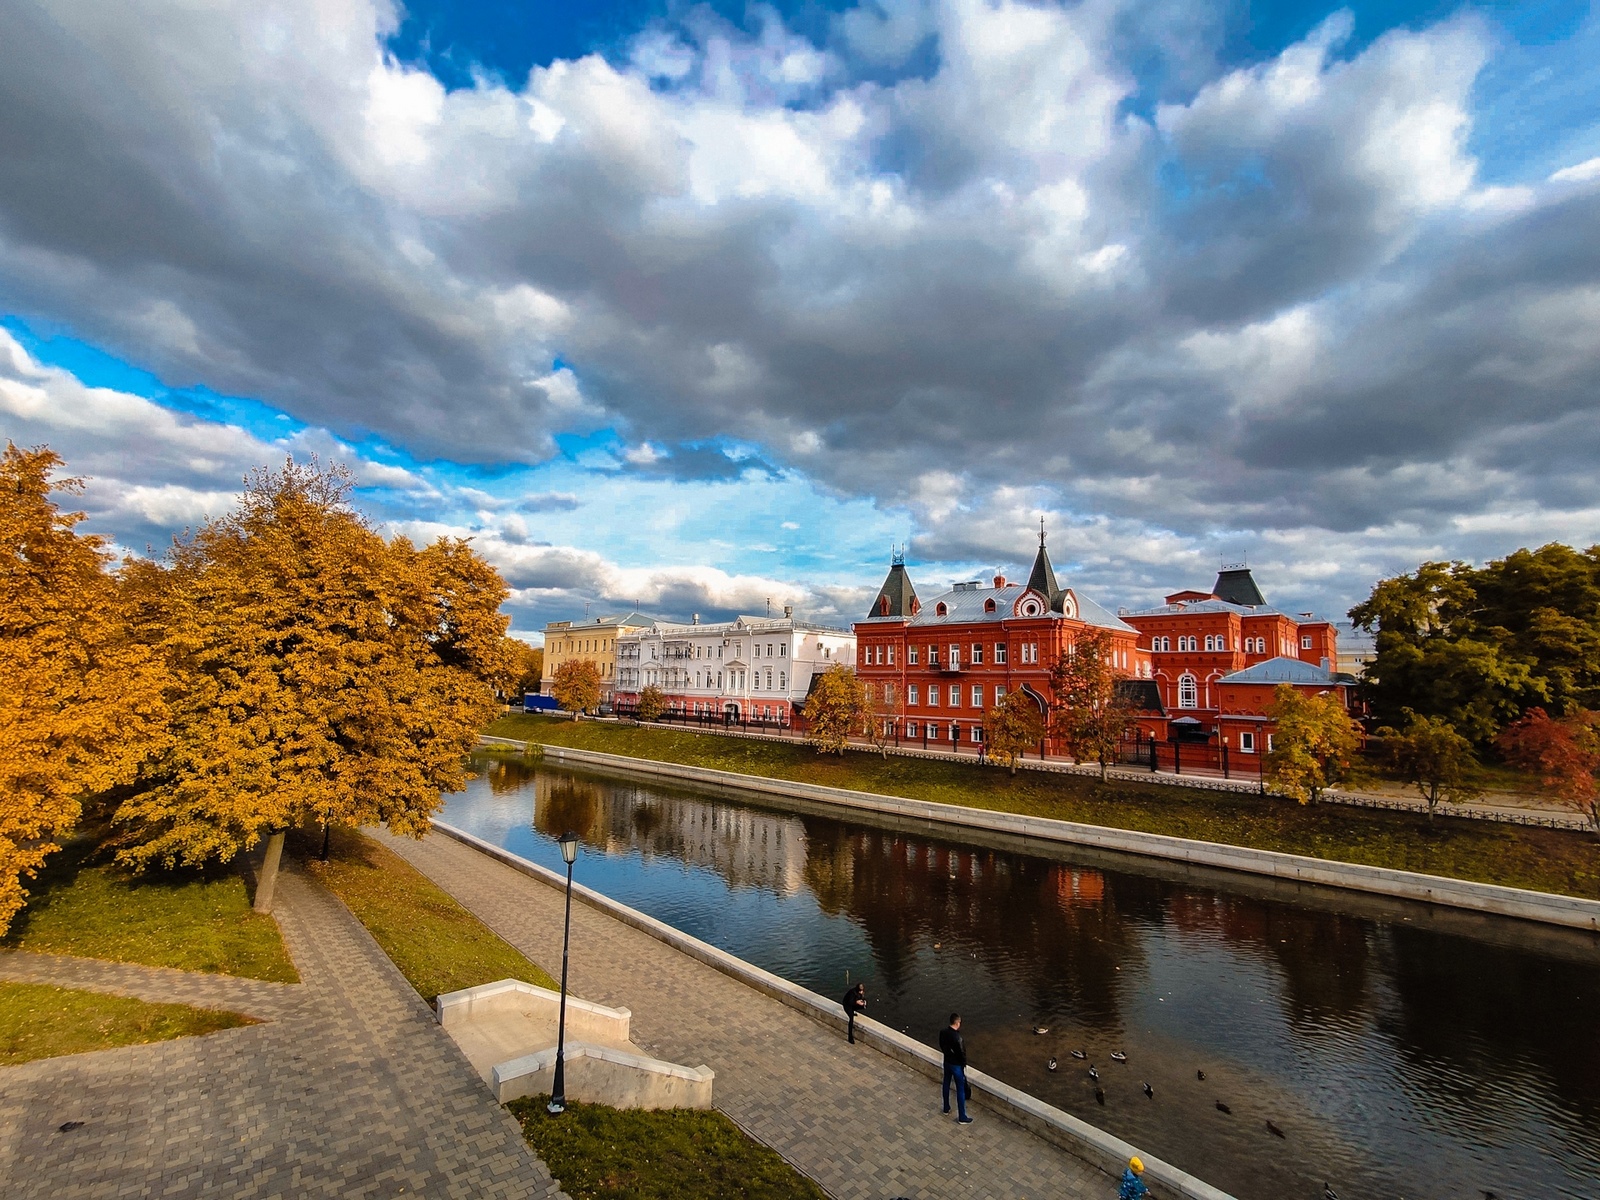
576	685
1314	743
834	709
324	673
80	700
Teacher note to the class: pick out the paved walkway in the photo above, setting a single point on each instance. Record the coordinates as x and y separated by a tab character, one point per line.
350	1089
858	1123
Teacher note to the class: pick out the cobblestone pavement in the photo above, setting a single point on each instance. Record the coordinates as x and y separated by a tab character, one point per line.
351	1089
858	1123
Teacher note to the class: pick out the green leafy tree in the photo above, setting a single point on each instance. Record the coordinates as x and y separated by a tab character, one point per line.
834	709
1012	727
320	673
1089	715
652	703
1430	755
1314	743
81	696
1564	753
576	685
1479	647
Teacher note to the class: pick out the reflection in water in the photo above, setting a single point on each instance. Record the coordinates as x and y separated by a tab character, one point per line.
1398	1060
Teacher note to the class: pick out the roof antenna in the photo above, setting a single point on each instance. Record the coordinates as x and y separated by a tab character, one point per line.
1041	531
769	606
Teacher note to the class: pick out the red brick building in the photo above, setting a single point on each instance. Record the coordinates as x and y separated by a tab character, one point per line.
1217	656
936	669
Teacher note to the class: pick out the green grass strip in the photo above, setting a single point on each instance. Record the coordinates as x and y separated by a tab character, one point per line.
1546	860
601	1153
438	945
189	920
41	1021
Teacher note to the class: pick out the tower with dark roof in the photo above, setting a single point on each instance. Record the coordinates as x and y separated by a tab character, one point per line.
897	597
1042	578
1236	585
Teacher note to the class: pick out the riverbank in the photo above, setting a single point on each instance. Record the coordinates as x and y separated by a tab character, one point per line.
1543	860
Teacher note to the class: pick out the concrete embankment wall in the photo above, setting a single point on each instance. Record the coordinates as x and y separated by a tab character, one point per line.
1568	911
1061	1128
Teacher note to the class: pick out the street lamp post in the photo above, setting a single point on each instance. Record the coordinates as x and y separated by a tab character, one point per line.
558	1091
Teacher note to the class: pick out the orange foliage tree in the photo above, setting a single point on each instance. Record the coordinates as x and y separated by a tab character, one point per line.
1090	717
321	673
576	685
80	699
1564	752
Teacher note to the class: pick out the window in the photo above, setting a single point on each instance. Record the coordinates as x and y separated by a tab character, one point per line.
940	609
933	656
933	695
912	693
1030	652
769	649
783	649
911	729
1188	692
911	655
1305	641
755	650
977	733
1247	743
955	695
977	653
999	694
999	652
1269	743
988	606
783	680
977	695
955	655
891	654
769	679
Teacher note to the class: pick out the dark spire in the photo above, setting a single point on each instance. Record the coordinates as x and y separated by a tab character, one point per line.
896	598
1042	578
1236	585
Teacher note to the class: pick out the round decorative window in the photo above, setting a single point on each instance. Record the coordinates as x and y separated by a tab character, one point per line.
1068	607
1031	607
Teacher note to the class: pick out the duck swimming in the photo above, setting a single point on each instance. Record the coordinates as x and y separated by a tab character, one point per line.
1200	1075
1094	1074
1051	1065
1149	1092
1041	1029
1080	1054
1118	1056
1223	1108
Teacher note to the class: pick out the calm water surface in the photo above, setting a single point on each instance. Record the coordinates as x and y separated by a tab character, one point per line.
1403	1051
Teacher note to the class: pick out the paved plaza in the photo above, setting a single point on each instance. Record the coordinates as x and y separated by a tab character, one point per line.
349	1088
858	1123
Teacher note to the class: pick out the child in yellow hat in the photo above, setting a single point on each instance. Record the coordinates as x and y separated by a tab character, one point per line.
1133	1187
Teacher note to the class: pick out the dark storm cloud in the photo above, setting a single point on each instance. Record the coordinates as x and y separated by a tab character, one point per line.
1283	303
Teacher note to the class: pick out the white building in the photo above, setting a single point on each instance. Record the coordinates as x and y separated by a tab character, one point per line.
751	668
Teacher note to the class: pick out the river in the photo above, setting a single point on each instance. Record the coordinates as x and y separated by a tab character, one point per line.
1400	1050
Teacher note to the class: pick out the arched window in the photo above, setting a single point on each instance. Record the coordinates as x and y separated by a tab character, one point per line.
988	606
883	606
940	609
1188	692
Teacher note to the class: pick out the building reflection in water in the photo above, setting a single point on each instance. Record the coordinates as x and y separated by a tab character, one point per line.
1398	1057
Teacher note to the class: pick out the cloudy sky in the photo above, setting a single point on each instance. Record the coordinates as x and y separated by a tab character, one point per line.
700	305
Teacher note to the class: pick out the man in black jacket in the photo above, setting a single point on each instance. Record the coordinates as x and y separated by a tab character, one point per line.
955	1067
854	1001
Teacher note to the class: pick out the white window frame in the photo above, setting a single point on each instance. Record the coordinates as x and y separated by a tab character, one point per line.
1188	691
999	653
911	656
1247	743
977	695
1305	641
913	694
977	654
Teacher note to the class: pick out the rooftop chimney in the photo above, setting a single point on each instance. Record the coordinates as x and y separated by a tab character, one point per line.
695	619
788	610
999	581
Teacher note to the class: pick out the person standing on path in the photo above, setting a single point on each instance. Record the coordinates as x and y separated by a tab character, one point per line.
1133	1187
955	1067
855	1000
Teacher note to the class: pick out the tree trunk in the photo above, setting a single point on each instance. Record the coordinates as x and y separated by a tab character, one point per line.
268	879
326	830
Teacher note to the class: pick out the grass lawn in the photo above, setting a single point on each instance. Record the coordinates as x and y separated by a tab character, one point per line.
601	1153
1546	860
438	945
191	920
41	1021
